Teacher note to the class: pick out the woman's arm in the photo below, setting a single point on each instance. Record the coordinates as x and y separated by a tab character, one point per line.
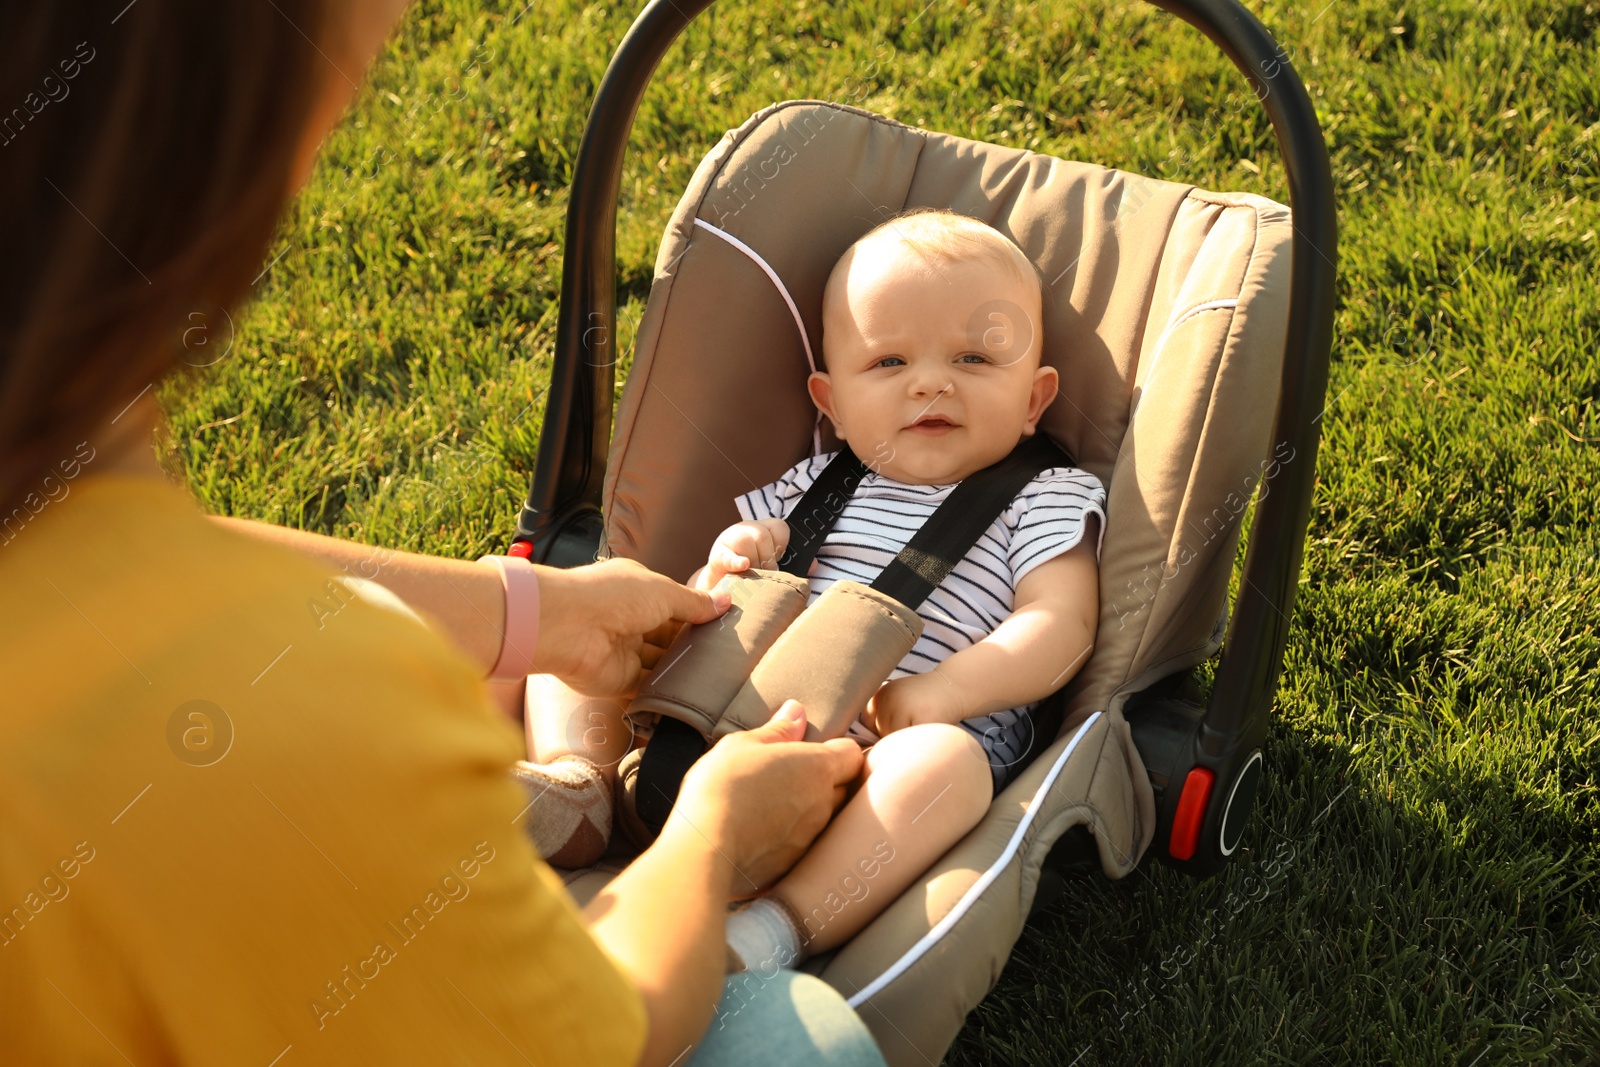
599	625
465	598
1030	655
746	812
663	921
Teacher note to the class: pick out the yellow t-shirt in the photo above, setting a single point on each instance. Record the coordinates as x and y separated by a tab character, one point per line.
251	817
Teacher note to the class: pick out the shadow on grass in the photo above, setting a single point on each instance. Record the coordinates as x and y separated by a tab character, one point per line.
1356	928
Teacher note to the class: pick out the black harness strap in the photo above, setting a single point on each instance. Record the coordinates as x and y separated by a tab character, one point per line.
818	508
668	755
970	509
944	539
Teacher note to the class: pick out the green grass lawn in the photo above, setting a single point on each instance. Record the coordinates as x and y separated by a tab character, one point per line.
1420	882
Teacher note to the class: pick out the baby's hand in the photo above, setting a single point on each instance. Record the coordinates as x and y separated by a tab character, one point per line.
744	545
911	701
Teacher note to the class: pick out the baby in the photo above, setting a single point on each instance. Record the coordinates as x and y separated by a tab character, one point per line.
931	344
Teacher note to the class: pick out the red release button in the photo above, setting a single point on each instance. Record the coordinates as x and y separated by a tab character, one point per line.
1191	812
521	550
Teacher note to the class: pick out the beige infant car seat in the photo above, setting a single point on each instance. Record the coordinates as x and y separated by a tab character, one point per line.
1191	331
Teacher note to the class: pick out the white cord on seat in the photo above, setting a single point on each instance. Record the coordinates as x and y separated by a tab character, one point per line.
766	268
970	897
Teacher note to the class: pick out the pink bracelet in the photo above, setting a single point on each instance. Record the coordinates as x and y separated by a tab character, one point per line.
521	634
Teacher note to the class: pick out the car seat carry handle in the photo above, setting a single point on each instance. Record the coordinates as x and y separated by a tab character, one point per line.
561	522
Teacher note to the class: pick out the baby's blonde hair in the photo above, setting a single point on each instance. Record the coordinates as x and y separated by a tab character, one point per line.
946	236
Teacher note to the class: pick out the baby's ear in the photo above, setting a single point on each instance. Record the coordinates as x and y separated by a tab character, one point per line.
1046	386
820	386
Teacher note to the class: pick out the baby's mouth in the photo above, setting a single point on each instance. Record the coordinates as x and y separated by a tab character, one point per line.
932	424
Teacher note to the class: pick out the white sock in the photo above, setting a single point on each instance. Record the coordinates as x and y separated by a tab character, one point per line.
762	935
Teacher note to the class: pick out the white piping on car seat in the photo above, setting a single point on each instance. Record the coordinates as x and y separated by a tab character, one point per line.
1161	342
755	257
971	896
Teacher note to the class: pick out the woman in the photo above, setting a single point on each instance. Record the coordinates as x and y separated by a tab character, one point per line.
236	830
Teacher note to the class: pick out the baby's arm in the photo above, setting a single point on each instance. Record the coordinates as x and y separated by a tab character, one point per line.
1030	655
756	543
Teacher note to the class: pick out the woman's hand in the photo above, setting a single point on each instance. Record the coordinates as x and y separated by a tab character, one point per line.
913	700
761	796
743	545
745	813
601	625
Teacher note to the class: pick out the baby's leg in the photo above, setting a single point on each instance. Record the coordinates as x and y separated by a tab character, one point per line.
574	745
563	722
924	787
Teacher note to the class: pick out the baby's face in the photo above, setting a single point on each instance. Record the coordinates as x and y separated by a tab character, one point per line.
933	366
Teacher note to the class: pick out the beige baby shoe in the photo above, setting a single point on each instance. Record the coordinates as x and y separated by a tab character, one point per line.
569	810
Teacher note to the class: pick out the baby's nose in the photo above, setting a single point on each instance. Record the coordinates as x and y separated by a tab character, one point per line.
931	380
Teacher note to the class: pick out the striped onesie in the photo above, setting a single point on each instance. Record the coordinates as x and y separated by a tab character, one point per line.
1046	519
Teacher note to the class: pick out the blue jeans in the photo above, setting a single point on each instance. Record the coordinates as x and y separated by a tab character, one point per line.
789	1019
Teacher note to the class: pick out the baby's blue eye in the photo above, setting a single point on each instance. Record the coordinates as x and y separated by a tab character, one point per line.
974	357
889	361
